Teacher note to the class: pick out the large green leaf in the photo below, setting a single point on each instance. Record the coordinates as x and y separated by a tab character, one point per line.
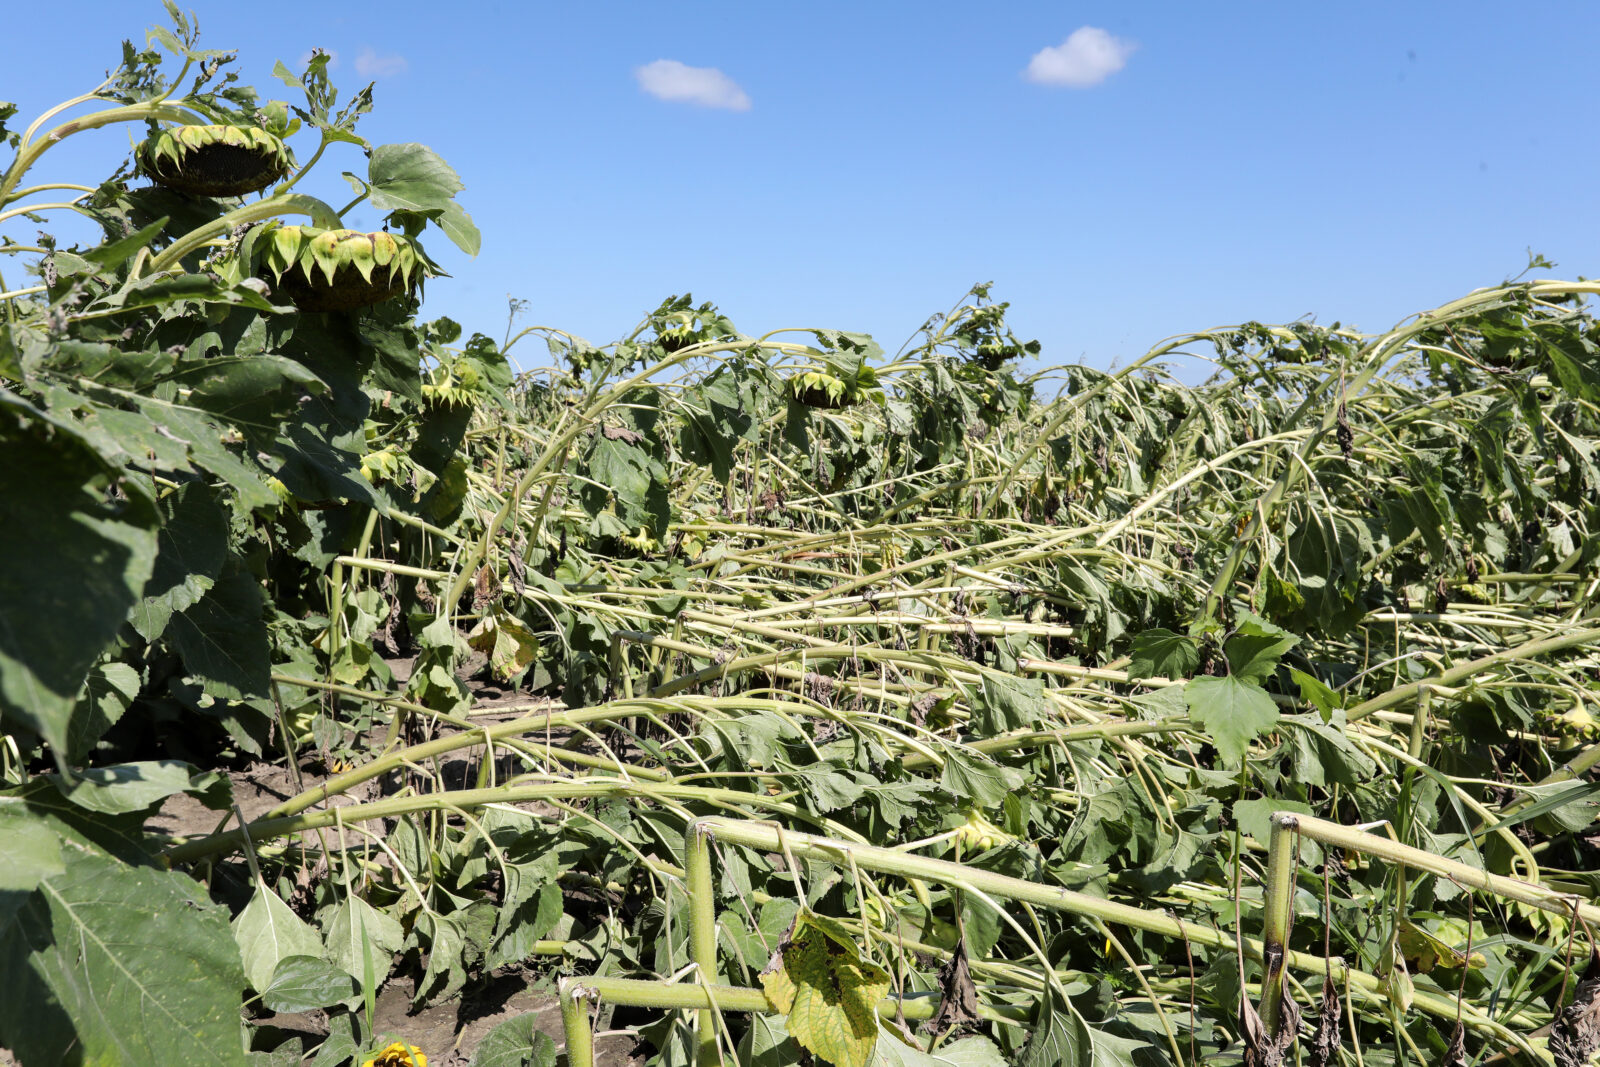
223	638
1255	647
33	853
1232	712
254	393
305	983
191	549
76	559
983	783
767	1043
116	965
517	1042
363	940
1061	1038
169	436
119	835
974	1051
1159	653
108	693
1008	703
412	177
268	932
129	787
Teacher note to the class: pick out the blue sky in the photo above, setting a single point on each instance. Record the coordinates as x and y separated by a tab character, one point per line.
1168	166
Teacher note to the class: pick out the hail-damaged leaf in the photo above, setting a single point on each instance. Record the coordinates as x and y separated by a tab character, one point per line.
508	643
828	991
958	997
1328	1037
1424	951
1575	1037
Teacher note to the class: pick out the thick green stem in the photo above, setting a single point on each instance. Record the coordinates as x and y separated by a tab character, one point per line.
270	208
575	1021
771	838
1276	917
31	152
689	996
1330	833
1404	694
702	934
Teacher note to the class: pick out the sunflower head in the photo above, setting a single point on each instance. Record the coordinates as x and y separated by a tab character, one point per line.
215	160
398	1054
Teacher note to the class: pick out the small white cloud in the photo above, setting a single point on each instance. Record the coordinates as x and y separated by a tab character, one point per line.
370	64
667	79
1088	57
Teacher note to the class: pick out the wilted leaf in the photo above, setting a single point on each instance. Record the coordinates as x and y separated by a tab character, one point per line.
1326	1041
508	643
958	997
268	932
830	994
517	1042
1575	1037
304	983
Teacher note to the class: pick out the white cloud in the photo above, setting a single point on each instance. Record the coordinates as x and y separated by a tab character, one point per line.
370	64
1088	57
667	79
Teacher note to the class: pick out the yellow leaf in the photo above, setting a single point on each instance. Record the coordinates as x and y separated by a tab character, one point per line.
830	994
1423	951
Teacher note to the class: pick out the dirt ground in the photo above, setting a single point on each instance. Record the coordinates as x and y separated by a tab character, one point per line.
448	1032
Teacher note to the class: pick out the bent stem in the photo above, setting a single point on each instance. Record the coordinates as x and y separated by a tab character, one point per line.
30	153
1337	836
769	838
270	208
1378	353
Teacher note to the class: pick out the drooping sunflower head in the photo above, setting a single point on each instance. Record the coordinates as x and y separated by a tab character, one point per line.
336	270
215	160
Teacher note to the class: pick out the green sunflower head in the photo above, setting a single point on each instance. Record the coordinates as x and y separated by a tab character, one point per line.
215	160
336	270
